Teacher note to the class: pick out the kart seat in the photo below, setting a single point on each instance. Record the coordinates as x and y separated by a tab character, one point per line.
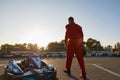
21	66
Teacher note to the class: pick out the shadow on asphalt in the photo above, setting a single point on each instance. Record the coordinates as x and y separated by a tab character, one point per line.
56	79
2	77
74	77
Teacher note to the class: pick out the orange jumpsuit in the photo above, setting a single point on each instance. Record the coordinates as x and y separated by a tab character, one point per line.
74	42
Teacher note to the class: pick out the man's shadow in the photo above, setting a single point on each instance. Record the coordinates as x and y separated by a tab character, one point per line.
75	78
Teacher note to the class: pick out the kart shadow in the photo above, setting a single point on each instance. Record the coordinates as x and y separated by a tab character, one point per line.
2	77
56	79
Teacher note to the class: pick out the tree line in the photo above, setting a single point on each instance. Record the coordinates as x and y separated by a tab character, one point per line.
91	45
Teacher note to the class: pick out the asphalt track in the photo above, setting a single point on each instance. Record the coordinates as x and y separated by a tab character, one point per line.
98	68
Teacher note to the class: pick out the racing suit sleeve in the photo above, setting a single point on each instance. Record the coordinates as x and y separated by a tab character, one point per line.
81	33
67	34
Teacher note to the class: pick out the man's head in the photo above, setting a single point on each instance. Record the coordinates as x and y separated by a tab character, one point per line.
70	20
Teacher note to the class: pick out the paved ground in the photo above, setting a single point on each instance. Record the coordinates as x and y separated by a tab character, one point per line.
102	68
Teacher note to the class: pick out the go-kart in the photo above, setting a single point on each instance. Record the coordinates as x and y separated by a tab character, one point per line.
31	68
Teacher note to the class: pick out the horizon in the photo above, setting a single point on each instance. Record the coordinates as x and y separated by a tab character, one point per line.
57	41
42	22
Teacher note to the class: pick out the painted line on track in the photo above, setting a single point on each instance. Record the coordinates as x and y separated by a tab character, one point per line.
91	64
2	65
107	70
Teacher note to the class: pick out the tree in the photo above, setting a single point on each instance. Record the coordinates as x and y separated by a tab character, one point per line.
117	45
52	46
7	48
89	44
35	48
42	49
93	45
20	47
108	48
32	47
56	46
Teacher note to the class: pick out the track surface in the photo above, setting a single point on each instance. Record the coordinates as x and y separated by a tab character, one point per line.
102	68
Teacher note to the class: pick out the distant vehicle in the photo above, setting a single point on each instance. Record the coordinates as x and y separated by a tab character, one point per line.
31	68
116	54
8	56
99	53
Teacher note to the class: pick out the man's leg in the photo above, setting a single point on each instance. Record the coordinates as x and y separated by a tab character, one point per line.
80	59
70	55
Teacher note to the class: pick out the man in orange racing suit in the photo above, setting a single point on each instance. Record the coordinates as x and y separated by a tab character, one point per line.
74	43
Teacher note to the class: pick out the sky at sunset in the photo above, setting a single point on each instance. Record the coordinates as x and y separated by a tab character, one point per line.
43	21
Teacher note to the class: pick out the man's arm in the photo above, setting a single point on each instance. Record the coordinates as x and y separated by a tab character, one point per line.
81	33
66	34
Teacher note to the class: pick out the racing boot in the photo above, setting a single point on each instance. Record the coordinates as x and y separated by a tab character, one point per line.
67	71
83	76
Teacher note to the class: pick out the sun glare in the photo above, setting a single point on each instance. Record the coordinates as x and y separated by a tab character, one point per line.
42	38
